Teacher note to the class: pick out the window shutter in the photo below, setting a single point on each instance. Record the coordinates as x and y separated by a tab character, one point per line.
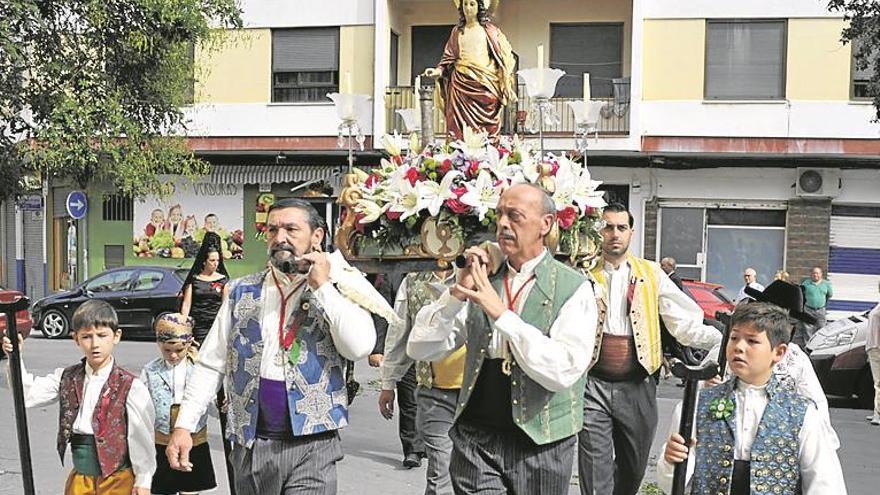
593	48
305	49
745	60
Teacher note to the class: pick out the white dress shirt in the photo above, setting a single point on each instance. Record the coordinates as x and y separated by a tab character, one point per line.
178	378
821	473
396	362
682	316
873	340
45	390
555	361
351	329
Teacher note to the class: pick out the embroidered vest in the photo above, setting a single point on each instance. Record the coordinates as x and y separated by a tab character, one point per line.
109	419
419	293
775	463
643	312
160	382
316	395
543	415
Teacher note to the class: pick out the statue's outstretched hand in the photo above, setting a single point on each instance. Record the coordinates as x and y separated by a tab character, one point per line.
432	72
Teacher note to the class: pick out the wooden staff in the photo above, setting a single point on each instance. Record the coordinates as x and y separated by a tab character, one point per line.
691	377
24	445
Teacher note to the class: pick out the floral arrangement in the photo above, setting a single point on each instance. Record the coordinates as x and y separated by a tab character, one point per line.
459	184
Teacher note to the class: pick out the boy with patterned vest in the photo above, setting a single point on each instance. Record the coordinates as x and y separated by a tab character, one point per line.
520	404
438	382
753	433
106	414
279	341
166	378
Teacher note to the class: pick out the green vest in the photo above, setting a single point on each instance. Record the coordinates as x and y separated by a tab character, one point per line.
543	415
420	293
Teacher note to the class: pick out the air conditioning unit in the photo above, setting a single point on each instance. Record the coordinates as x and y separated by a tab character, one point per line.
817	182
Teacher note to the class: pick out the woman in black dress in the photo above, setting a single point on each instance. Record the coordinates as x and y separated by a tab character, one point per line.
205	287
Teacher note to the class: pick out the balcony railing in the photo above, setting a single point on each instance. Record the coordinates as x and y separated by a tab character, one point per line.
614	120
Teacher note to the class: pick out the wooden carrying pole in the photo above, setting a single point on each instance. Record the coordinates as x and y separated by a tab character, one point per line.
24	445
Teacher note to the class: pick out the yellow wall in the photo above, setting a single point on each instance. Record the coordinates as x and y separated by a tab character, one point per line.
240	71
818	65
526	23
674	59
356	50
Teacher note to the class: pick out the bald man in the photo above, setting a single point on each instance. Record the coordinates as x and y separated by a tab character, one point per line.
750	276
530	330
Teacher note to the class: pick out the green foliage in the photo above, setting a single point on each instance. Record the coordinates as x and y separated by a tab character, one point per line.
94	88
863	30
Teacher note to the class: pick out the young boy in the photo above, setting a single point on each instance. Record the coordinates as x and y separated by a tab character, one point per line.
166	378
753	433
106	413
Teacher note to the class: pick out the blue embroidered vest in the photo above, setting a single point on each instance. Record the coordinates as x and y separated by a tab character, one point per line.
775	463
316	395
160	383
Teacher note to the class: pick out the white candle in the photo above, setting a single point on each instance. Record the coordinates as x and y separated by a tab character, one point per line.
586	87
540	67
346	83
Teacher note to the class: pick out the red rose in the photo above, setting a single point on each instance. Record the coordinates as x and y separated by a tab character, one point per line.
459	191
554	167
502	151
393	215
457	206
474	167
589	211
412	175
566	217
372	180
445	166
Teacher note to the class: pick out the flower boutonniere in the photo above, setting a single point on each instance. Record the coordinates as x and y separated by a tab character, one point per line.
721	408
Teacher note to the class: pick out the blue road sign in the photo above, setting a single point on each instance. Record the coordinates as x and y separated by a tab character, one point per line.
77	205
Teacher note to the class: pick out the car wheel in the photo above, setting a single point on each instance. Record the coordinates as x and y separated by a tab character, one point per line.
865	390
54	324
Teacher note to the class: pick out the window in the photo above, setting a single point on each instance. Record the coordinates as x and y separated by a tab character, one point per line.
117	208
861	78
593	48
428	43
305	64
147	280
110	282
393	52
114	256
745	60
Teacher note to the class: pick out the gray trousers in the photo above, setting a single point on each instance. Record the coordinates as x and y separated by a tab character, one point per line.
302	466
620	419
435	416
488	463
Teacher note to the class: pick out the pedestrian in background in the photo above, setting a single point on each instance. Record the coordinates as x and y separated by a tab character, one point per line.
872	346
818	291
781	275
205	286
750	276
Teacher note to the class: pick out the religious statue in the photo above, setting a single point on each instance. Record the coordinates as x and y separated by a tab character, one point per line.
476	74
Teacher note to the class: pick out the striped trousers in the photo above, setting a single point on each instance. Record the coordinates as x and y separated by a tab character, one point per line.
302	466
496	462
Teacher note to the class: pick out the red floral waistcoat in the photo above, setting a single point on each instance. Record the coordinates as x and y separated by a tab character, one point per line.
109	420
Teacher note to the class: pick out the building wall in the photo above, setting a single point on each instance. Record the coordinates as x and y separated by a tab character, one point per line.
807	232
818	70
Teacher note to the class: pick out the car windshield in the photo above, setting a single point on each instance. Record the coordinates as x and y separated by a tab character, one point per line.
111	281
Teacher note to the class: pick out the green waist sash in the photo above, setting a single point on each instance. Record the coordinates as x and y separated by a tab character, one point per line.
85	455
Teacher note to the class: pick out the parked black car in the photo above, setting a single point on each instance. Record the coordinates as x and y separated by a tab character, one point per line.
140	294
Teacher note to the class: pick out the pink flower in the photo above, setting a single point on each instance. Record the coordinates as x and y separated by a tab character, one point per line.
473	168
393	215
459	191
397	160
445	166
457	206
372	180
412	175
566	217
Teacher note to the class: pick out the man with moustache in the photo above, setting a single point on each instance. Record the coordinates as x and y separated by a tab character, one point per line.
529	330
279	342
620	401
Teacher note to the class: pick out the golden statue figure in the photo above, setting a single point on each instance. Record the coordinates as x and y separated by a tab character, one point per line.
476	76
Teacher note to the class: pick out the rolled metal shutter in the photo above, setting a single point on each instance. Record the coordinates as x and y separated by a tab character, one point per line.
854	259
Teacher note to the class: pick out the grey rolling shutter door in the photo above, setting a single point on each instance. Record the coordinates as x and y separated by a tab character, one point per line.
305	49
593	48
745	60
9	244
428	43
33	254
59	201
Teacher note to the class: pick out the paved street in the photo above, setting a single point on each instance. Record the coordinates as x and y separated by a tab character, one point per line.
372	452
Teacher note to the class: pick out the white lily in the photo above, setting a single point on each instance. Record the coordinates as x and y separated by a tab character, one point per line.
482	194
584	192
433	194
473	145
498	166
393	144
370	209
406	200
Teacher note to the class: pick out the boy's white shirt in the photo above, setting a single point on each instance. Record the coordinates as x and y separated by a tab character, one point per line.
820	467
45	390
